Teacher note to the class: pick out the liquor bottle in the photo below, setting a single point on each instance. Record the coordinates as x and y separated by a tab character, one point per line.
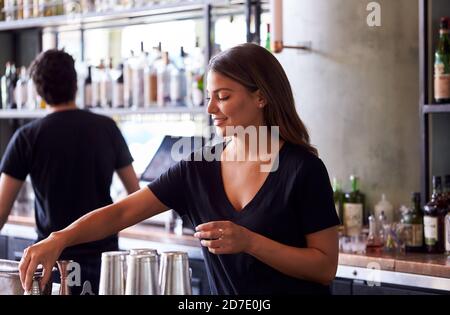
442	64
447	217
151	77
385	206
338	198
118	92
88	89
433	219
164	81
137	82
374	241
354	212
4	86
268	39
178	81
20	91
106	86
2	13
413	225
127	80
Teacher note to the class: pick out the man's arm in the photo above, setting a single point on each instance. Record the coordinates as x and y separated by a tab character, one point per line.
9	188
129	178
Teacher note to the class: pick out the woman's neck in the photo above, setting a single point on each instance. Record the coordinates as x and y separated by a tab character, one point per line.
254	147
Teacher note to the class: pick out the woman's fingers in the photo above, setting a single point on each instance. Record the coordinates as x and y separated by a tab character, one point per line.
29	273
23	267
209	235
212	244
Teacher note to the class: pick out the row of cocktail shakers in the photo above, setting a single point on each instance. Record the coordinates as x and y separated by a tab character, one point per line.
145	272
135	272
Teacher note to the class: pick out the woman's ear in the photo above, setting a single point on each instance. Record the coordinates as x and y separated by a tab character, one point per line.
260	99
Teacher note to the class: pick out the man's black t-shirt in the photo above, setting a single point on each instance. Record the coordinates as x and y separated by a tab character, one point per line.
70	157
294	201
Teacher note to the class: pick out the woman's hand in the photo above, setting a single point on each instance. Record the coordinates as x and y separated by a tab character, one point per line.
224	237
44	253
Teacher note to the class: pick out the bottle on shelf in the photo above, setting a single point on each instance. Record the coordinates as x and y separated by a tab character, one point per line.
151	77
19	9
374	242
31	94
96	82
385	206
178	81
118	92
163	84
196	72
4	86
2	12
412	222
106	86
268	45
433	219
8	85
88	89
447	216
127	80
20	91
442	64
338	198
28	9
137	82
9	9
383	228
354	211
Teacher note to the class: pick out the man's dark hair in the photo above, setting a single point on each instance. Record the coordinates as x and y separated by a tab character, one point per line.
54	76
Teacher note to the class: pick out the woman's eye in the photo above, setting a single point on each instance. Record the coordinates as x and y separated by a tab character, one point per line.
223	98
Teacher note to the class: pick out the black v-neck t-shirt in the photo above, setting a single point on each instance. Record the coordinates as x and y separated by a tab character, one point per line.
294	201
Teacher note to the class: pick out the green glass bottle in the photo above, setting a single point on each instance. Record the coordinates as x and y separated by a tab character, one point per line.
442	64
338	198
413	226
354	213
268	39
433	219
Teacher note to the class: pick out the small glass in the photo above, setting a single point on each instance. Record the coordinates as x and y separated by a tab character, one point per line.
359	243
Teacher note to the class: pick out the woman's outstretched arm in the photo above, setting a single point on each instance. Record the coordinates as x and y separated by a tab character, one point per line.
93	226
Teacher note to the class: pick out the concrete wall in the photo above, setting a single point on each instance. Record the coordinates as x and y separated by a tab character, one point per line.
358	90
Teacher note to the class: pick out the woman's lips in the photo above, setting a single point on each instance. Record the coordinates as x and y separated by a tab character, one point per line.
219	121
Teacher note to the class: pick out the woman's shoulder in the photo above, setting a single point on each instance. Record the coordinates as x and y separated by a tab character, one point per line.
301	156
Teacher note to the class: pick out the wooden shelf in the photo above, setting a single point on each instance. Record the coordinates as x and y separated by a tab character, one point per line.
39	113
436	108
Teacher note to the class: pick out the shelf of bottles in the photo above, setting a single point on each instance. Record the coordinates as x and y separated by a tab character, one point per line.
18	14
148	82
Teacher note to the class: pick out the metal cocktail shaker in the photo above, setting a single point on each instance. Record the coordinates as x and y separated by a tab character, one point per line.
174	275
142	275
112	273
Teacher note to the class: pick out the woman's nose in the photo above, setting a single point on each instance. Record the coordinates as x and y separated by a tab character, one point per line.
211	107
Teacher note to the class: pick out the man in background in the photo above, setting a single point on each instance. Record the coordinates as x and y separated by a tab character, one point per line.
71	156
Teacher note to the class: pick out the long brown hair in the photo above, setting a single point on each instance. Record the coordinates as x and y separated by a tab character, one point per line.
257	69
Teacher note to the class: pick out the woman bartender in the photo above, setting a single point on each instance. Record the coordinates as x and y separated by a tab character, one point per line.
262	232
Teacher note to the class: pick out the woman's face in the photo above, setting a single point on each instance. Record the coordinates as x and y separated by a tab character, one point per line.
231	104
